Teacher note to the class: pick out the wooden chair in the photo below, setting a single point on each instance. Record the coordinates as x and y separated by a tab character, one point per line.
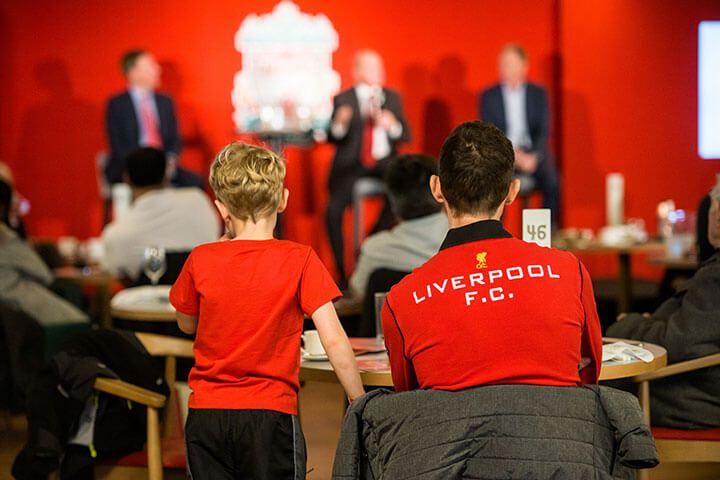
674	445
165	448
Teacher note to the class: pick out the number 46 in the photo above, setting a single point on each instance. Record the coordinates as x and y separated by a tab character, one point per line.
540	231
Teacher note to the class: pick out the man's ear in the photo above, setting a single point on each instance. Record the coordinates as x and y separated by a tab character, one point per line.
224	213
513	191
283	201
436	189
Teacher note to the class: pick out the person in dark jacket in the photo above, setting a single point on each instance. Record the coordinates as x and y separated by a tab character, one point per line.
367	126
496	431
141	117
520	109
688	326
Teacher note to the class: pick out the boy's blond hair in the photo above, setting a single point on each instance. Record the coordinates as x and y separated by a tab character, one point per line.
248	180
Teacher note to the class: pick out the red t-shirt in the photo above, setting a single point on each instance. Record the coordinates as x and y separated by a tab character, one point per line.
250	297
491	309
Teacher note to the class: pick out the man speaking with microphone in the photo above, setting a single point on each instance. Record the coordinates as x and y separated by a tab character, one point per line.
367	125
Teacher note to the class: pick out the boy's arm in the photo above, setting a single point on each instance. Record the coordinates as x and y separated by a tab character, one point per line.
338	349
403	372
187	323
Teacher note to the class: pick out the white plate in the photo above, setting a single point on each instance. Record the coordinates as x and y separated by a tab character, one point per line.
322	357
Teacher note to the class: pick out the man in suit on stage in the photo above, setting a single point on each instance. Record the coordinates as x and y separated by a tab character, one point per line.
141	117
520	109
366	127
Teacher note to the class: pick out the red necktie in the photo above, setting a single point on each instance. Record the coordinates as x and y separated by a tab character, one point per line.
152	132
366	156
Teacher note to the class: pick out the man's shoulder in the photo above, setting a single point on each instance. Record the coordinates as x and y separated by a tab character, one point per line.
535	89
345	94
119	99
492	90
163	98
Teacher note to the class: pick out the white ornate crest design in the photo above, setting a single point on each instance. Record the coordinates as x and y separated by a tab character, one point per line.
287	80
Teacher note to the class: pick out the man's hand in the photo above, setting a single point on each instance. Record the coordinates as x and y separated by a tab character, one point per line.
386	120
343	115
526	162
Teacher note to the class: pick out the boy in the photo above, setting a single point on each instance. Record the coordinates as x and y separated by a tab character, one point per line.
245	298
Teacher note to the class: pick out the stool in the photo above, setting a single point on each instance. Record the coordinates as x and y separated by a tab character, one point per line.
364	187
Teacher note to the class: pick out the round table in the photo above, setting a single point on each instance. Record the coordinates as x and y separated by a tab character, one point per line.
377	371
143	304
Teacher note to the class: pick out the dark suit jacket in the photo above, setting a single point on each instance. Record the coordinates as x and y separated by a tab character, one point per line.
688	326
346	162
124	132
492	110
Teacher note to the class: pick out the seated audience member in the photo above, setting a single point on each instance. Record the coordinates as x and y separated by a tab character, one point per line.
489	308
20	206
688	326
175	218
24	277
422	226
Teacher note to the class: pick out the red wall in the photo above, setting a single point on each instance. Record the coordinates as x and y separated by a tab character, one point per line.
622	74
629	105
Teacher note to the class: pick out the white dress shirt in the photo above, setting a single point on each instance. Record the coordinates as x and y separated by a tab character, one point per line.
367	95
404	248
516	116
175	218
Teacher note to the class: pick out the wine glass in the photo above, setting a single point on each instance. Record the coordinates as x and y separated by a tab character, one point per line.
155	263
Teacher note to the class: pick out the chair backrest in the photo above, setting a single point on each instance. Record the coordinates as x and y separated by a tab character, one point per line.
525	431
381	280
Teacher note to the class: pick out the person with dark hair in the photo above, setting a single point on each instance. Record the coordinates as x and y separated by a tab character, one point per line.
24	277
688	326
421	228
141	117
175	218
488	308
520	109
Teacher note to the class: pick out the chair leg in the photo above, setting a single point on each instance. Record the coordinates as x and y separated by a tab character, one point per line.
154	451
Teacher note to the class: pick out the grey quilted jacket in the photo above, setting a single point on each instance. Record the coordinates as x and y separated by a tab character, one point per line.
495	432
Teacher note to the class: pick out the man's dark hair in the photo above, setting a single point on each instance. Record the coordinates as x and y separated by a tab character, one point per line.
146	167
408	183
476	168
5	202
130	58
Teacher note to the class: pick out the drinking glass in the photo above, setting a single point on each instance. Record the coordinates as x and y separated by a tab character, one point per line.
155	263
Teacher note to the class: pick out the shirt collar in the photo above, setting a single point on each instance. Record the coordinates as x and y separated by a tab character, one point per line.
519	89
139	93
482	230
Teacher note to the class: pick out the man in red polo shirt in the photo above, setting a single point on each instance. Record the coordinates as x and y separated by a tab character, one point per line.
488	308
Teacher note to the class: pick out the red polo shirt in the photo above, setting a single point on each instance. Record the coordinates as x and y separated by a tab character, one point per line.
491	309
250	297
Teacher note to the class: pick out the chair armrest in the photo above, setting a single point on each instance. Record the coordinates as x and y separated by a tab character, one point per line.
682	367
166	346
130	392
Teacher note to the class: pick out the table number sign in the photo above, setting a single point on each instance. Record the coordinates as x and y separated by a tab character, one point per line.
536	226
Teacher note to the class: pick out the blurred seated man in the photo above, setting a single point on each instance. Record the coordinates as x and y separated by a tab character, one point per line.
24	277
488	308
142	117
688	326
422	226
175	218
520	109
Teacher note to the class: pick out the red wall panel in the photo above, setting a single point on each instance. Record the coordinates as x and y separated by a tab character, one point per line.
622	71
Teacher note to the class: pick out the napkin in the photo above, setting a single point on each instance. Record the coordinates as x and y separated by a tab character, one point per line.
625	352
154	298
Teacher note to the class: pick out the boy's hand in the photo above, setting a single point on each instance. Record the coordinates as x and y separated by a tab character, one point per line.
338	349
